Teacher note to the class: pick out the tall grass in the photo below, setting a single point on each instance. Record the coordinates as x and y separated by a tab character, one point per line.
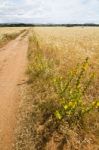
5	38
71	94
63	97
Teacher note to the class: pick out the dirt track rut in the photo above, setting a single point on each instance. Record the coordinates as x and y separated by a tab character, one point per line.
12	73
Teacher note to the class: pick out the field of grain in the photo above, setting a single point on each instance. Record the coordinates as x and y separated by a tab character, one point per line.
73	43
70	46
9	33
7	30
61	95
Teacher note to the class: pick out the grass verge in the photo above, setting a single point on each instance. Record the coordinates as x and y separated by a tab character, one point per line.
5	38
59	110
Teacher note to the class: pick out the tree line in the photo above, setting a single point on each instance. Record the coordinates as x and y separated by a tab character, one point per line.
32	25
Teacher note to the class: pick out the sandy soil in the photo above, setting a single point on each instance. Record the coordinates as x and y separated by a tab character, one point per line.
12	74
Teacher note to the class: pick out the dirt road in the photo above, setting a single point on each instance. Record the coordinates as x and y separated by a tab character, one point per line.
12	73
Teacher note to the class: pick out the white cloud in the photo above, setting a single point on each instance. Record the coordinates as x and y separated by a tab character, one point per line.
45	11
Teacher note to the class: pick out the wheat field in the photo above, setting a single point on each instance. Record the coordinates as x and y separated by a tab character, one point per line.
9	33
62	92
77	42
71	45
8	30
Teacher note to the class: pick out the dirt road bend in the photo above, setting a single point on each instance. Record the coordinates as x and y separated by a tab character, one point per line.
12	73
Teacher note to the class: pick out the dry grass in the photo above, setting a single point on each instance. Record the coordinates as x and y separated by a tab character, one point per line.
71	43
53	52
8	30
9	33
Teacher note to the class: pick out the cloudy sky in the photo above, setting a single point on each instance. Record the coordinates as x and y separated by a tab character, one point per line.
49	11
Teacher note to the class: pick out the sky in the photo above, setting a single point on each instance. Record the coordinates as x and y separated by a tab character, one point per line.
49	11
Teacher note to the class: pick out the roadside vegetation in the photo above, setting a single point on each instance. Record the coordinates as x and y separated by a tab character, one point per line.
60	108
6	35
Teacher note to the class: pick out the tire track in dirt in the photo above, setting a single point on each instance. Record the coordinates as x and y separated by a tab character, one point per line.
13	60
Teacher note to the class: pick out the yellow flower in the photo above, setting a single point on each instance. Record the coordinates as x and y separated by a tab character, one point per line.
71	104
93	103
65	107
58	115
97	104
